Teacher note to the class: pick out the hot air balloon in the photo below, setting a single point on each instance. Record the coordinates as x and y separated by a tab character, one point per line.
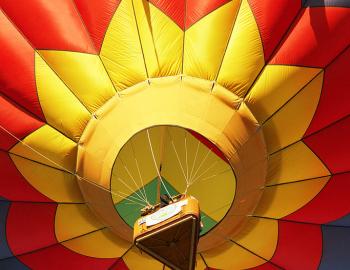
242	104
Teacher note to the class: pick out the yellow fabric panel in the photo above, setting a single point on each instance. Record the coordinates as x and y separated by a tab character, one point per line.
61	108
244	57
84	74
99	244
281	200
145	31
290	123
206	41
168	42
199	169
200	265
275	86
296	162
121	50
263	229
73	220
46	145
231	256
57	185
126	164
134	259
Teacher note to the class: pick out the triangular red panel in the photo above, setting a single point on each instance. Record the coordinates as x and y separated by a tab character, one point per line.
119	265
58	257
97	15
13	185
314	40
14	124
17	80
335	96
273	18
332	145
299	246
30	226
194	9
54	25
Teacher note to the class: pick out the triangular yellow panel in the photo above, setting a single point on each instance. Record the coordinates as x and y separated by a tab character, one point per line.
168	42
291	122
84	74
121	50
56	184
244	57
281	200
147	41
296	162
99	244
48	146
73	220
206	41
263	229
61	108
276	85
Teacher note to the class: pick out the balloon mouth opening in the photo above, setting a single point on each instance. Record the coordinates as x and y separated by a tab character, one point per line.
161	112
171	160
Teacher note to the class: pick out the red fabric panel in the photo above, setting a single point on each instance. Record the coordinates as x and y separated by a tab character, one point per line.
52	25
209	144
265	266
197	9
97	15
120	265
315	39
330	204
13	186
332	145
30	226
15	121
299	246
273	18
175	9
58	257
334	101
17	79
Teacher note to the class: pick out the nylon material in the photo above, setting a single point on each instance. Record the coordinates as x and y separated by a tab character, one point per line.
282	200
267	96
61	108
57	185
48	143
263	229
203	53
231	256
244	57
58	257
134	259
328	3
200	264
100	244
73	220
297	162
121	50
175	9
55	16
226	96
84	74
17	68
14	124
146	39
96	16
297	114
167	38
